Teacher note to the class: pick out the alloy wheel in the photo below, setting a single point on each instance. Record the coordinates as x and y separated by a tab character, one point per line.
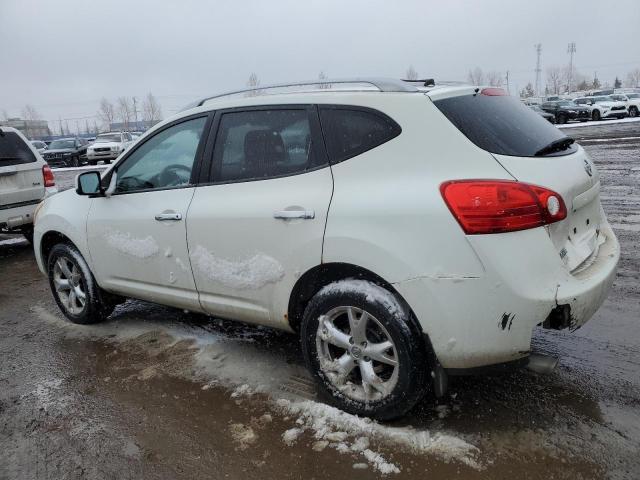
357	354
69	285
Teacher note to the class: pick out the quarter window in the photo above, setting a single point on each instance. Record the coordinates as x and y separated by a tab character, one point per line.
350	132
260	144
163	161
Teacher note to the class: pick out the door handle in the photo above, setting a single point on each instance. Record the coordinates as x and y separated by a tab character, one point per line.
289	214
164	217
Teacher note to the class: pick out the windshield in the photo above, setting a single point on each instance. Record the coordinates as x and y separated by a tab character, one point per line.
633	95
108	137
13	150
500	124
60	144
603	99
566	103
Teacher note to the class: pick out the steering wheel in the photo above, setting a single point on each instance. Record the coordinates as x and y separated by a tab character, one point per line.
169	176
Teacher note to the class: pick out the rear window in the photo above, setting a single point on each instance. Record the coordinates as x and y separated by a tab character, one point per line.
13	150
349	132
501	124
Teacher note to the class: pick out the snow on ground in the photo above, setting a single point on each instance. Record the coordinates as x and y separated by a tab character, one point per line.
241	364
599	122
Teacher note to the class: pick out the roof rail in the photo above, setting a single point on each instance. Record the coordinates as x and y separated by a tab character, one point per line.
382	84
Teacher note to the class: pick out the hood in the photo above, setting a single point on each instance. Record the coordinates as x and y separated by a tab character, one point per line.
104	144
610	104
58	150
577	108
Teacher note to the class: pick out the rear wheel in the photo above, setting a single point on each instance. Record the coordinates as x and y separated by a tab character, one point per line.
562	118
633	111
27	232
93	162
74	288
364	350
595	116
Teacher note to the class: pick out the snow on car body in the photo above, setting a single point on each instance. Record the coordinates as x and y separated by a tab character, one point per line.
400	230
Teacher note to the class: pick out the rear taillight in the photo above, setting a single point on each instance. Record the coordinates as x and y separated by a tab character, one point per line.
498	206
47	175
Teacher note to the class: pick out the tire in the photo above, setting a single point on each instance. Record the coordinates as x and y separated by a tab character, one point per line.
595	116
633	111
93	162
107	162
562	118
327	335
75	162
68	281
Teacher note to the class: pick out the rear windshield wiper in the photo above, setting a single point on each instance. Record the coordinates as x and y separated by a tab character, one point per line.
555	146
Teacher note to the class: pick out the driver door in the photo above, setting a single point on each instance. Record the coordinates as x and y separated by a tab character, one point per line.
137	236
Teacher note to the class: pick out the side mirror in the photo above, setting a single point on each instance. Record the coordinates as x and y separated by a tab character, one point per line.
88	183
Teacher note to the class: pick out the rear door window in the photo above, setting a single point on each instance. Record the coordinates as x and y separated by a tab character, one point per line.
351	131
13	150
501	124
261	144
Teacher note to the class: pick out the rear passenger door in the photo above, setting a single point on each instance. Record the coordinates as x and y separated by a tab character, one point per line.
258	221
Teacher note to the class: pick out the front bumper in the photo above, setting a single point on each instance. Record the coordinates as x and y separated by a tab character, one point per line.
615	114
478	321
112	155
582	115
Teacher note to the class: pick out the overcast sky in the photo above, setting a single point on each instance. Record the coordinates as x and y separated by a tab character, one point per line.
63	56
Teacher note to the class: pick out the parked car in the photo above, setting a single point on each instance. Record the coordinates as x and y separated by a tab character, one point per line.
66	152
108	146
39	145
547	116
25	179
405	234
631	101
603	107
565	110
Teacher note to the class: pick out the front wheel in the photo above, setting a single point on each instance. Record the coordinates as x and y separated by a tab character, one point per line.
633	111
74	288
364	351
562	119
595	115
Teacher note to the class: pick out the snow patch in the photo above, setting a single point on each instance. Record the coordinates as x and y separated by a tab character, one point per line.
352	434
291	436
13	241
135	247
243	435
248	274
373	292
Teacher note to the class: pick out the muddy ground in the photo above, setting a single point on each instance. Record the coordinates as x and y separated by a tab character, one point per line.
157	393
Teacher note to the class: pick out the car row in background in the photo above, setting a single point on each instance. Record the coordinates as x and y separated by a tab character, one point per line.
583	109
66	152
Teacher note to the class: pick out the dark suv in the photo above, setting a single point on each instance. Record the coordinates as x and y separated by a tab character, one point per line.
565	110
66	152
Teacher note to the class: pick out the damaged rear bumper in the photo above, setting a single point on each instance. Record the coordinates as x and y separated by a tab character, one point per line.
485	320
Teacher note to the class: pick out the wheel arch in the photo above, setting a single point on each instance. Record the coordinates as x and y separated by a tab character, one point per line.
50	239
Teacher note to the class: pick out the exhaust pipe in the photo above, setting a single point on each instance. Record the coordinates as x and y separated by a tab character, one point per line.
541	363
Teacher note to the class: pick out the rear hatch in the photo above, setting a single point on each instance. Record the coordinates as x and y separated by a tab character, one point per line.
21	180
534	151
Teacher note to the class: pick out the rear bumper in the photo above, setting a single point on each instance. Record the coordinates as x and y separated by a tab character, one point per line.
17	216
474	322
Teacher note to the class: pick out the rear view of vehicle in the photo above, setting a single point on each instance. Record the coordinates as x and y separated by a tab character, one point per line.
24	180
547	253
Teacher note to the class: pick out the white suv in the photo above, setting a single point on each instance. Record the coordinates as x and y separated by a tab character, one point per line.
603	107
108	146
405	233
25	179
631	100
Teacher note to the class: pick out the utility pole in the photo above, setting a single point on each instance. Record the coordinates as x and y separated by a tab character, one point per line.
508	90
538	47
571	49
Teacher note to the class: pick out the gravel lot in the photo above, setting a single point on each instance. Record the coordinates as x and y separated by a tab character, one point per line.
158	393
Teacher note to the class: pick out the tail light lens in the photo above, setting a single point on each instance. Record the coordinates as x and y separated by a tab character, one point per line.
47	175
498	206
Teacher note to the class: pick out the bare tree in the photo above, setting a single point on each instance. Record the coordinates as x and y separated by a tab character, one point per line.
495	79
633	78
573	76
254	83
151	110
554	79
106	113
476	76
125	111
30	114
528	91
5	115
411	73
